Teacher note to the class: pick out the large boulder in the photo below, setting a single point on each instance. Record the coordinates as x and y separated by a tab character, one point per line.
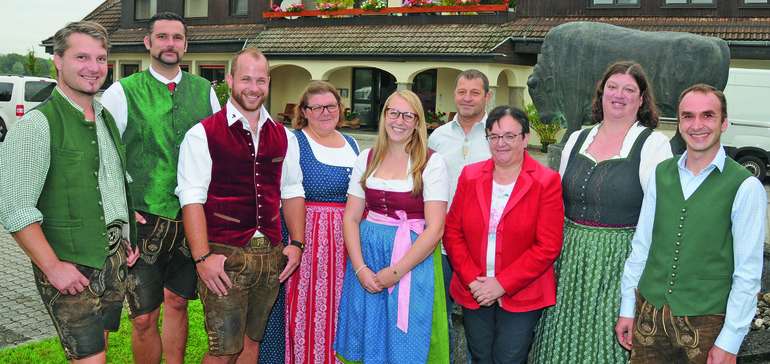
575	55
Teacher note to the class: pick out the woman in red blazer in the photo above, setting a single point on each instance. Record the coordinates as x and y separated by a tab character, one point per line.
503	233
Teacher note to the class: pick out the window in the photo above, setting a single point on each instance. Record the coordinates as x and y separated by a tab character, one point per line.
6	89
129	69
689	2
212	72
38	91
239	7
185	67
110	76
145	9
424	85
196	8
756	2
614	2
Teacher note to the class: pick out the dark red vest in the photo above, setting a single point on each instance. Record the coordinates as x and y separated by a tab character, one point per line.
245	190
387	202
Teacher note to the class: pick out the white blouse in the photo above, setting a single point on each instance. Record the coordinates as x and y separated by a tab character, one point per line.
500	196
435	180
343	156
655	150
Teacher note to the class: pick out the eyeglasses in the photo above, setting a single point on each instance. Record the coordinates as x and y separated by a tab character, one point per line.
508	138
394	114
316	109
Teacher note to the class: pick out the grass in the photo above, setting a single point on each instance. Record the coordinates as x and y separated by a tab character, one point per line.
49	351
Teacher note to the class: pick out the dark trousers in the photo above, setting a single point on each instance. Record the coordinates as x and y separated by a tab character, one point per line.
498	336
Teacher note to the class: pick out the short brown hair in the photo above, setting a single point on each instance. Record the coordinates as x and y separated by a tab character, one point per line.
92	29
705	89
647	113
253	52
314	88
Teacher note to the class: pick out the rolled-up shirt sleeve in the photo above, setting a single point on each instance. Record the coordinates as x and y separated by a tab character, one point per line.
194	168
25	157
291	173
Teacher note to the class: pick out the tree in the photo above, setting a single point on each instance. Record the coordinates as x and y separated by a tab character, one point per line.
17	68
51	69
31	63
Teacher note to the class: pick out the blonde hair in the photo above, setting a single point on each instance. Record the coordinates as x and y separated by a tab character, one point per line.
314	88
416	147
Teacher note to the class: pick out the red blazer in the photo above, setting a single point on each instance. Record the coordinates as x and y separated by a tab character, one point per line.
529	235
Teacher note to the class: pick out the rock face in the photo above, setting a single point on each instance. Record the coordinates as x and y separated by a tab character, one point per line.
574	56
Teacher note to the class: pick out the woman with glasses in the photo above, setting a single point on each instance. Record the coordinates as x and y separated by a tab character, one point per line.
605	170
503	234
312	294
393	308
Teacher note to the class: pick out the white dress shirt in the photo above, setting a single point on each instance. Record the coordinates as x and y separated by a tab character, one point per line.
748	229
459	149
114	99
654	150
194	169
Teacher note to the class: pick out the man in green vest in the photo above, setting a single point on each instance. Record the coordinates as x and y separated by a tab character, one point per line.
153	110
689	287
63	196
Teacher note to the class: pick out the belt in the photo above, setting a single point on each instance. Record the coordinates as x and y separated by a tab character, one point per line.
259	242
114	238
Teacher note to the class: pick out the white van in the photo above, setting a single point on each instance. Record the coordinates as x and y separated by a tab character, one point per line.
747	139
18	95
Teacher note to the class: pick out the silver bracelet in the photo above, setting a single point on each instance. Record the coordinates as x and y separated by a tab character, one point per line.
360	268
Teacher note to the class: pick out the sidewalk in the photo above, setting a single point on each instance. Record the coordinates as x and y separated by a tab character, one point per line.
22	314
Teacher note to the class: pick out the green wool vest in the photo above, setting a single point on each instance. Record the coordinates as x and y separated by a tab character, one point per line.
71	204
690	264
157	123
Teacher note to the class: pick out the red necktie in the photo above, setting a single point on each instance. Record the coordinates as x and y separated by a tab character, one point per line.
171	86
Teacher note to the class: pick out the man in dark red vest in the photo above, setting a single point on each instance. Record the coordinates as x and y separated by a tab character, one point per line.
237	168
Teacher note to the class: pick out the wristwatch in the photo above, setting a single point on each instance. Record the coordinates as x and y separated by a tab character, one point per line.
298	244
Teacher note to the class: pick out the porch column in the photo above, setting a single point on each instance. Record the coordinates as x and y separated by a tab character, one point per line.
403	86
492	94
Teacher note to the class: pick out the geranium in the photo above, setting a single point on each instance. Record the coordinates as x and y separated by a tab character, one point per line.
324	6
276	8
295	8
373	5
418	3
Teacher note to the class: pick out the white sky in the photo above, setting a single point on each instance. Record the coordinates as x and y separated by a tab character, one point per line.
27	22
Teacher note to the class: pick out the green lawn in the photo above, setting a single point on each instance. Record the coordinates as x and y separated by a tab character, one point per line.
49	351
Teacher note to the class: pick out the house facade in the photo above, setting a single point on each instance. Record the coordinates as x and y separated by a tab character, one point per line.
367	54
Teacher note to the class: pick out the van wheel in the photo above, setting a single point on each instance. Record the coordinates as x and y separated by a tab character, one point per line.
755	165
3	130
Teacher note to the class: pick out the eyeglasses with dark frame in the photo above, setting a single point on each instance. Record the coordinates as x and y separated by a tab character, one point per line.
316	109
394	114
508	138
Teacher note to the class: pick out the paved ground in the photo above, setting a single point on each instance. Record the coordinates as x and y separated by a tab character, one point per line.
22	314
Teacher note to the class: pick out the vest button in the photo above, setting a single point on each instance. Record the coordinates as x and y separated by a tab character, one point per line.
671	283
670	291
678	243
681	218
673	274
676	259
676	251
679	235
673	266
684	210
681	226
